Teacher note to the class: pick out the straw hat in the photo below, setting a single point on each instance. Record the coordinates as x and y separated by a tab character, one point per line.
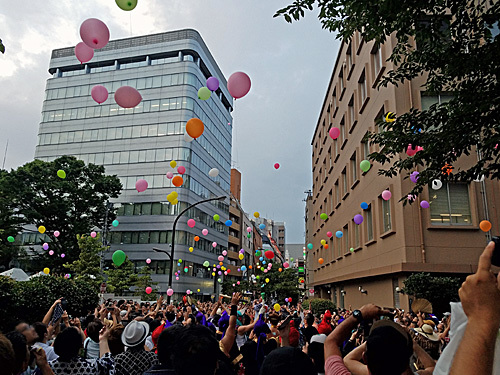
428	332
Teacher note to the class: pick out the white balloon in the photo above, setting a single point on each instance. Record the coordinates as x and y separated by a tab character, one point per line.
214	172
437	184
187	137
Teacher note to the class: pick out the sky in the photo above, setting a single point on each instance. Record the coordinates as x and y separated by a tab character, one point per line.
289	64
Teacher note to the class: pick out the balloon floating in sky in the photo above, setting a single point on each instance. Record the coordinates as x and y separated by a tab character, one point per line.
56	233
249	229
149	290
329	234
148	261
127	97
214	172
61	174
358	219
173	163
51	252
436	184
276	165
323	216
212	83
170	292
262	226
339	234
386	195
94	33
424	204
228	223
12	239
286	265
41	229
99	93
126	4
365	165
238	84
115	223
485	225
321	260
181	169
310	246
191	249
93	234
83	52
364	205
334	133
256	214
195	127
204	93
118	257
141	185
269	254
46	271
204	231
216	217
177	181
323	242
45	246
414	176
170	175
191	223
214	244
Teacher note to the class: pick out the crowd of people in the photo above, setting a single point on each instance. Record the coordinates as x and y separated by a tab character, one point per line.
232	336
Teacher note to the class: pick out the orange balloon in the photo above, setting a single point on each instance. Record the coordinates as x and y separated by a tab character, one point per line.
196	238
177	181
250	267
325	246
195	127
485	225
220	263
280	269
321	261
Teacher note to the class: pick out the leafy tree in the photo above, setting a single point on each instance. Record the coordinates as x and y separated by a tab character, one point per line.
320	305
454	44
7	298
88	265
438	290
72	205
120	279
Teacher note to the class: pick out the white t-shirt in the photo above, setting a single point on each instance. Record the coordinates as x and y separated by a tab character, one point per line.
91	348
49	351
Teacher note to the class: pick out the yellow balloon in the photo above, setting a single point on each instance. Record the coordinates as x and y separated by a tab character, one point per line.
41	229
198	290
267	280
241	256
213	273
256	214
277	307
223	268
173	163
174	202
390	117
191	249
46	271
323	242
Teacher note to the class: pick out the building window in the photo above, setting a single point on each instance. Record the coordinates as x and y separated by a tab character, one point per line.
344	182
428	100
369	223
345	237
386	215
365	147
330	199
341	81
354	168
356	236
348	57
377	58
362	88
330	161
351	112
450	205
337	192
338	244
334	101
343	136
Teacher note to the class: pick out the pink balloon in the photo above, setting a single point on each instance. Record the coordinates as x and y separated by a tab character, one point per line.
249	229
56	233
51	252
177	278
149	290
276	165
410	151
141	185
204	232
334	133
188	291
148	261
286	265
238	282
329	234
45	246
127	97
94	33
83	52
63	255
386	195
191	223
170	292
99	93
214	244
238	85
170	175
93	234
221	258
181	170
224	253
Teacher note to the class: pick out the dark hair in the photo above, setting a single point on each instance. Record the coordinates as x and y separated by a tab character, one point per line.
93	330
153	325
309	319
388	351
316	352
7	356
67	344
115	340
166	344
40	329
287	360
195	351
20	347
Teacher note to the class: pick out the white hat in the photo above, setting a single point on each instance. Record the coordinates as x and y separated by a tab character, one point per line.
318	338
428	331
135	333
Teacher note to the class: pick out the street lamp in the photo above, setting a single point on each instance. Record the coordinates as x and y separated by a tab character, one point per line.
172	246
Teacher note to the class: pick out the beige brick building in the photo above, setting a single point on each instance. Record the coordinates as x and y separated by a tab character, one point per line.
393	240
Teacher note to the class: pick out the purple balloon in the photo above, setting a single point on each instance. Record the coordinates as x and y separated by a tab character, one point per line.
45	246
414	177
99	93
424	204
83	52
358	219
212	84
94	33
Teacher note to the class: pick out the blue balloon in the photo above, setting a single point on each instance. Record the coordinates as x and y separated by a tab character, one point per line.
261	259
262	226
228	223
263	262
243	268
339	234
364	205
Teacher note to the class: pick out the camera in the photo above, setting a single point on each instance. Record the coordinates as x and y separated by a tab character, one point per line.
495	259
64	303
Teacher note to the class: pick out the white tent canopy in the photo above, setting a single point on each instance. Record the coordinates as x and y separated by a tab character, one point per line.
16	274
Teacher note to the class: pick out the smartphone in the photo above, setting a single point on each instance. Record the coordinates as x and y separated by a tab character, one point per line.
58	311
495	259
64	303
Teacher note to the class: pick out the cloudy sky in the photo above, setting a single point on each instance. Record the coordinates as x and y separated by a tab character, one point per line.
290	66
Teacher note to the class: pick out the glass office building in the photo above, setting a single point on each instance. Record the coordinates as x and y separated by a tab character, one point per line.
167	69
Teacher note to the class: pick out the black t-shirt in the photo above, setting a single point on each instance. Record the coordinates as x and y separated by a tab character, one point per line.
309	332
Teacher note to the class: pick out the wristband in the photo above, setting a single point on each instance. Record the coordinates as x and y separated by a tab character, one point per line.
234	310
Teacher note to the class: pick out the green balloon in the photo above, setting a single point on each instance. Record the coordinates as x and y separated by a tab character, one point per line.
61	173
180	260
257	277
262	269
310	246
249	235
352	249
204	93
291	259
216	217
119	257
219	280
365	165
323	216
115	223
258	253
11	239
126	4
206	264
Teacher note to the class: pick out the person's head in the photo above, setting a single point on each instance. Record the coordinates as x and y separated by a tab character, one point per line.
41	331
166	344
289	361
21	352
7	356
93	330
440	327
388	349
196	351
154	324
316	351
309	319
28	332
115	340
67	344
135	333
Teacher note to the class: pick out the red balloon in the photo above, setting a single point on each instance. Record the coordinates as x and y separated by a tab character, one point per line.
269	254
276	166
334	133
127	97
